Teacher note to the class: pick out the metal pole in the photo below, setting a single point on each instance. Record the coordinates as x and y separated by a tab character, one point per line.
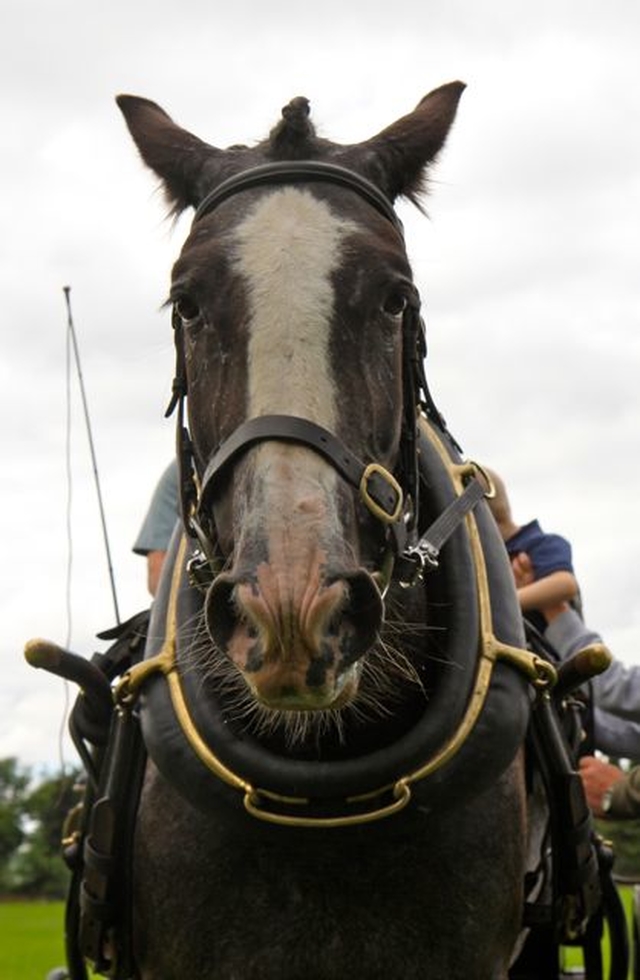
76	353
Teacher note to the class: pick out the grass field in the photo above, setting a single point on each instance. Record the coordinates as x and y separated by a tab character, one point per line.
31	939
573	957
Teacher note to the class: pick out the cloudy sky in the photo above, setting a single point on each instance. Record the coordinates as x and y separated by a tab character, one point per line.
527	266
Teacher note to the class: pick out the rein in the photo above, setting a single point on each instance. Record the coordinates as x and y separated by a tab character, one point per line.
393	501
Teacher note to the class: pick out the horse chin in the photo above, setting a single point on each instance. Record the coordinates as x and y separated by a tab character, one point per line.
330	697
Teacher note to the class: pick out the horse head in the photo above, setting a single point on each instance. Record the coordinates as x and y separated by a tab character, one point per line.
297	323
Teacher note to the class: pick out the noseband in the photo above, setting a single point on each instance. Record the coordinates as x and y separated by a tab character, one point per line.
392	501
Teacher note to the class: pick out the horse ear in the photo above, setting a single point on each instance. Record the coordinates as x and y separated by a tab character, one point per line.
397	158
175	155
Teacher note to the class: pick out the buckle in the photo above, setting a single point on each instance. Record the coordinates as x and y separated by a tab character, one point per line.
384	500
415	561
473	469
200	572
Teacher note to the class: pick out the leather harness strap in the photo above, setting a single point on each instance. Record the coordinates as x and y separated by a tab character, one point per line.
300	172
425	553
374	482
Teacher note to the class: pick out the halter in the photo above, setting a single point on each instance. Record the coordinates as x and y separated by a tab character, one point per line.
393	502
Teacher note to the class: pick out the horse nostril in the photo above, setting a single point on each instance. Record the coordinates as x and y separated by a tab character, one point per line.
221	613
363	613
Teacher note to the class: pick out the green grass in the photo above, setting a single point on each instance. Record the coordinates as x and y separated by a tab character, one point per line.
31	939
573	957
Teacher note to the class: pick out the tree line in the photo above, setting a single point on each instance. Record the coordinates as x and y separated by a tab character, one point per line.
32	814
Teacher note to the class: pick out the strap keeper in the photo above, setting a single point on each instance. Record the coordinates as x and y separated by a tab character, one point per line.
178	392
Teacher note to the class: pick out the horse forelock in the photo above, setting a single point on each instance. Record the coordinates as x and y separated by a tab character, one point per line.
294	136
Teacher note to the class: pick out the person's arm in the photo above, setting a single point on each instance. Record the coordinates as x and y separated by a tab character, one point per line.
568	633
617	689
548	592
161	518
155	561
599	780
610	792
615	736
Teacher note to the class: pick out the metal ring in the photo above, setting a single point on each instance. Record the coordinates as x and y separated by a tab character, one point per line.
386	516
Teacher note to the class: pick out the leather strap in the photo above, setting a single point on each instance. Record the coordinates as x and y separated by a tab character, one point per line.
299	172
425	553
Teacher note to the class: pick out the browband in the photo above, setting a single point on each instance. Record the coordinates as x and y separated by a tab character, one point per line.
298	172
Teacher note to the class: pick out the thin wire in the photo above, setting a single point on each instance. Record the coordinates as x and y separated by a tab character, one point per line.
69	480
69	543
105	535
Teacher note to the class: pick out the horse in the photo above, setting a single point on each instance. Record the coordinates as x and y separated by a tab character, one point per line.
328	721
293	300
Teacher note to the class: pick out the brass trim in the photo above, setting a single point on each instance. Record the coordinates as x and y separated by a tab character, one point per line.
472	468
541	673
490	649
401	792
383	515
195	740
128	687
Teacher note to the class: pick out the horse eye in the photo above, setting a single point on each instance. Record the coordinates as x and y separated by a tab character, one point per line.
187	309
395	304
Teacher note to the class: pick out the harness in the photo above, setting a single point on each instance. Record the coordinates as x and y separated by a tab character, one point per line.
480	711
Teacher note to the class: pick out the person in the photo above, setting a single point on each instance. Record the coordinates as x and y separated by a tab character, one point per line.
611	792
553	583
158	525
616	692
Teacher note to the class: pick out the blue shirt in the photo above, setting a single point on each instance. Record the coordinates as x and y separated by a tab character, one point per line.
549	553
163	513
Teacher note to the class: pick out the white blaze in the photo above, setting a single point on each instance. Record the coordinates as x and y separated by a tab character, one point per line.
287	248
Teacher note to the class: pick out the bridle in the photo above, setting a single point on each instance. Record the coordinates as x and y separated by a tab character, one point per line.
393	498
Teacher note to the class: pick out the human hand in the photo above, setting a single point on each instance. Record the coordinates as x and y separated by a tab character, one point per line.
522	569
536	596
597	778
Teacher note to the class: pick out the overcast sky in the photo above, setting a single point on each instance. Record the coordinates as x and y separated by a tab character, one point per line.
527	268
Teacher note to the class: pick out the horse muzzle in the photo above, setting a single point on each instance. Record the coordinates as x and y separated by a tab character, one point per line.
297	645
